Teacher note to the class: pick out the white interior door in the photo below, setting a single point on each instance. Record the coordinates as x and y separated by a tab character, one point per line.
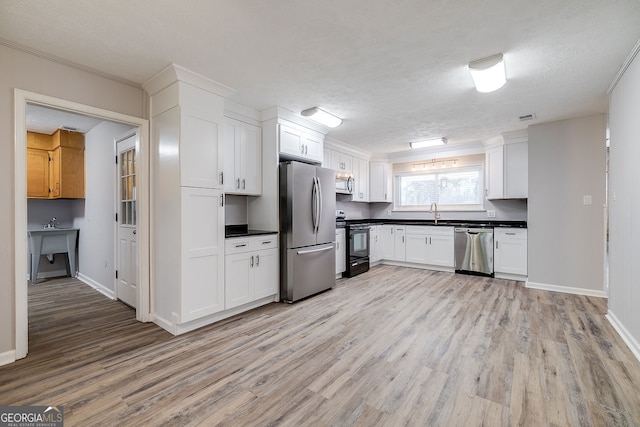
126	256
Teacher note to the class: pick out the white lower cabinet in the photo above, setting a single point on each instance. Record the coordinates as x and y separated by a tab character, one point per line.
251	269
387	243
510	253
430	245
341	251
399	243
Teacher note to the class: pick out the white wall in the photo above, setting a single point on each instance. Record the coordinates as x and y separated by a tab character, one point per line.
96	264
624	243
566	237
36	74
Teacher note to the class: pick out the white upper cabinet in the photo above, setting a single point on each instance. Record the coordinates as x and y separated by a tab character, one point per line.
361	179
380	182
341	162
507	171
296	143
243	158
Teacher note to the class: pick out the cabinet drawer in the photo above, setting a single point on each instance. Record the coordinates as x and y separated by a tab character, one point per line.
237	245
417	229
511	233
440	231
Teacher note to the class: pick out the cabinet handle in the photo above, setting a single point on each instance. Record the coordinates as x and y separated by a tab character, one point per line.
429	240
251	261
510	234
237	183
243	183
266	242
221	178
426	240
496	244
222	200
301	148
402	239
257	260
241	246
306	149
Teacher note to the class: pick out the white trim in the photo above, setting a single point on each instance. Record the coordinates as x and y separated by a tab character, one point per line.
623	68
109	293
628	339
21	99
7	357
174	72
566	289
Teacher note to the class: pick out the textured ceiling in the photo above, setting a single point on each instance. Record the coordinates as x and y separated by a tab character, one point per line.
395	71
48	120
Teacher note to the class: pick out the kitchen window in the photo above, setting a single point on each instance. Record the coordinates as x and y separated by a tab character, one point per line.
452	189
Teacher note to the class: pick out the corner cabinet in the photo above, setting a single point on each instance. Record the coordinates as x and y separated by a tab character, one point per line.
55	165
507	171
300	144
380	182
187	252
242	158
510	253
251	270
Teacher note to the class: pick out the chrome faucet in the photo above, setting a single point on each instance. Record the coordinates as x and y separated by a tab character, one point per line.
437	215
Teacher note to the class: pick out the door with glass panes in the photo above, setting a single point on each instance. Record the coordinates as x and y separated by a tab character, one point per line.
126	256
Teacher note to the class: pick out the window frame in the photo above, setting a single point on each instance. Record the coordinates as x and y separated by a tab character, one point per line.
397	184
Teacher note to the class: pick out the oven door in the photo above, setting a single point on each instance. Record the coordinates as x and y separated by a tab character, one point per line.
358	242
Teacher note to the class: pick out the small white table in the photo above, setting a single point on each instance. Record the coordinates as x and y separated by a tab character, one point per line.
53	241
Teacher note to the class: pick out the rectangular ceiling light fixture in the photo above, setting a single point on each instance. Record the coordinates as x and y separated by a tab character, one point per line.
488	73
322	117
434	142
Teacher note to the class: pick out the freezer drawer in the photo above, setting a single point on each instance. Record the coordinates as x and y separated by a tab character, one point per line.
307	271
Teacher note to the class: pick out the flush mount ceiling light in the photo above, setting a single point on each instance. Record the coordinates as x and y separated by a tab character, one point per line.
488	73
322	117
428	143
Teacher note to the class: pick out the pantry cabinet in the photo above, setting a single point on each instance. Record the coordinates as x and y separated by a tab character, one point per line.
242	158
510	253
55	165
187	266
251	269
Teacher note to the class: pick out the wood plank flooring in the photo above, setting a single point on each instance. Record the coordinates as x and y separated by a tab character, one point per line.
392	347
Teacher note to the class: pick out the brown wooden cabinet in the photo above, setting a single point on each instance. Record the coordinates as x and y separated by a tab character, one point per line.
55	165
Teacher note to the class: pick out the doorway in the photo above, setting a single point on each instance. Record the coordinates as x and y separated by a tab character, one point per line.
21	99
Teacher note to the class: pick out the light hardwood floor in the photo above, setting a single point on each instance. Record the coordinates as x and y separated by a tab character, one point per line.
391	347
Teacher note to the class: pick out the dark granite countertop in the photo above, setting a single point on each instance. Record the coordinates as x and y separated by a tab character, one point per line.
243	230
450	223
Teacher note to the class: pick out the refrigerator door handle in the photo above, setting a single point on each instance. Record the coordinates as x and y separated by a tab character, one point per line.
314	205
310	251
320	205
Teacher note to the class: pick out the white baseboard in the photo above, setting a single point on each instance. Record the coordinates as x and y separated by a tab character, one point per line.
7	357
566	289
631	342
109	293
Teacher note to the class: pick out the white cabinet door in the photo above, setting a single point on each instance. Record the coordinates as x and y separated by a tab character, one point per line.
510	255
201	152
238	282
341	162
495	173
380	176
297	143
314	147
375	244
242	158
399	243
266	273
202	240
387	242
361	178
416	248
291	141
441	250
341	251
249	162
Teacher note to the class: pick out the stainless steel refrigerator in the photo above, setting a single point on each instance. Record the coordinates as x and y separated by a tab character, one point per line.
307	230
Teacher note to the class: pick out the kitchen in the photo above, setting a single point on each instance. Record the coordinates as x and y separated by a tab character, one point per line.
553	147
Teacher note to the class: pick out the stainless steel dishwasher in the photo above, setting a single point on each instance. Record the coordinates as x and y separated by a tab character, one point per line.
474	250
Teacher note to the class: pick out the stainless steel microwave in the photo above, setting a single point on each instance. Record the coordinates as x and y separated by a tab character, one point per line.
344	183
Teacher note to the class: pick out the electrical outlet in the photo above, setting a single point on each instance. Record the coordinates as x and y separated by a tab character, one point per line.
491	213
586	199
